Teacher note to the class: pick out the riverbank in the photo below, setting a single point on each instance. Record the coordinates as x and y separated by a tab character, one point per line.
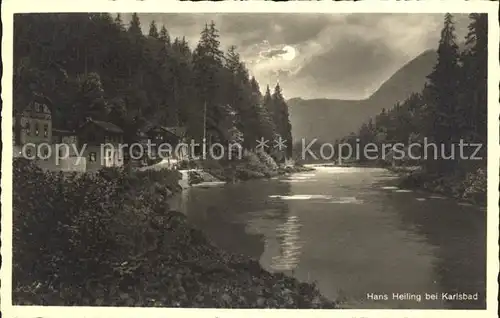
255	165
109	239
470	187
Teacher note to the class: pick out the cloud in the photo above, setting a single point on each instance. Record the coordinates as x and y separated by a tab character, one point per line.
352	65
272	53
339	55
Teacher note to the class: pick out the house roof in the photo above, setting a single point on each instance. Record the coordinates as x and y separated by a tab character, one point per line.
62	132
174	130
107	126
39	98
42	98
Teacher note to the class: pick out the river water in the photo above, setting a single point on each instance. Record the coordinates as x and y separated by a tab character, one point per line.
353	232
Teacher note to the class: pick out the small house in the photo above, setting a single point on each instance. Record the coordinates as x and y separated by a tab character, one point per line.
68	139
137	155
35	139
102	144
33	126
168	143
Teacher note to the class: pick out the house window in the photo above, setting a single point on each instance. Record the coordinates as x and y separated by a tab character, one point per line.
28	128
45	153
92	157
45	130
36	129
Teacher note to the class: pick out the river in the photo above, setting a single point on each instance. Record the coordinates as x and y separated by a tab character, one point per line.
353	232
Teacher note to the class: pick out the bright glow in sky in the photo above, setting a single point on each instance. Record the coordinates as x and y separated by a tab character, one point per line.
345	56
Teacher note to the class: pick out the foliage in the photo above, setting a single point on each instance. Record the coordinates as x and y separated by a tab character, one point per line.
452	107
72	227
94	65
266	159
108	239
475	184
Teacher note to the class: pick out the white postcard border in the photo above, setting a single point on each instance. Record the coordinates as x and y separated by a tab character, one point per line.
10	7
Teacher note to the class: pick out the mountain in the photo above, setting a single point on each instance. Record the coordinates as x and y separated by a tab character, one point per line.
331	119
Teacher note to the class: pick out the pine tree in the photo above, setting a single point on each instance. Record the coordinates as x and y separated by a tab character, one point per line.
268	101
281	119
207	68
473	86
442	96
118	20
153	30
164	36
135	25
136	79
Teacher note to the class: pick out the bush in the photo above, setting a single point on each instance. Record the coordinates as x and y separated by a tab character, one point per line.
72	227
194	178
247	174
476	185
187	164
266	159
470	186
108	239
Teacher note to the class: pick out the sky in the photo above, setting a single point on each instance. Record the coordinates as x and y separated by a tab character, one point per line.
342	56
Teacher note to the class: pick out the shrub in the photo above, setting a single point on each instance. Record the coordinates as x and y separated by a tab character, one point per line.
194	178
107	239
252	161
71	227
476	184
267	160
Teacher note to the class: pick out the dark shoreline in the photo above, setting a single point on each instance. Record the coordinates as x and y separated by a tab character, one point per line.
171	264
408	179
418	180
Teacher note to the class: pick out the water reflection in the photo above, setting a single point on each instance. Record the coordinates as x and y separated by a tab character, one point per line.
351	230
225	214
288	236
459	234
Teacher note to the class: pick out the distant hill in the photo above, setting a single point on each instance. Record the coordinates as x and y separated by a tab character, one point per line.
329	119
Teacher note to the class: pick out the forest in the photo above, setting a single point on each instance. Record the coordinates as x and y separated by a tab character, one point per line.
96	65
451	108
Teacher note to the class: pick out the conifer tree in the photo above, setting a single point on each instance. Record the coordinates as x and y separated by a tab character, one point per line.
281	119
135	25
473	87
164	36
442	97
207	66
153	30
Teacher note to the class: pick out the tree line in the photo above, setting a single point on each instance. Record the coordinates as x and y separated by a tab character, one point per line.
451	107
94	65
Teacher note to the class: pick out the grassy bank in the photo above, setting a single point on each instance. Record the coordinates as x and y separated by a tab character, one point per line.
109	239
